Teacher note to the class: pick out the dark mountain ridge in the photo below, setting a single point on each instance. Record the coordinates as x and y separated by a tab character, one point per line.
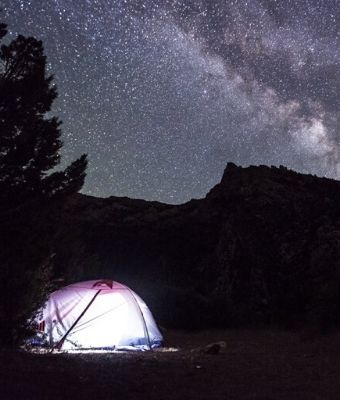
262	246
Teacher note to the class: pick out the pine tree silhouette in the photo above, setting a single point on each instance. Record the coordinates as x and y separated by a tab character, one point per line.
29	150
30	142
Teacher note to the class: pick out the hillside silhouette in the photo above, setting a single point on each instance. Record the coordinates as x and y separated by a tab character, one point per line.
263	246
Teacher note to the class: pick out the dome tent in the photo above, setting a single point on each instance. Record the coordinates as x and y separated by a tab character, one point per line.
99	314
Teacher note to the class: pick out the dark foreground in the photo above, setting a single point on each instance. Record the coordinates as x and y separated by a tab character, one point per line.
261	365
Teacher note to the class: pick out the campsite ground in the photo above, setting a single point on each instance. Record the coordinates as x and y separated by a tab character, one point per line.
255	364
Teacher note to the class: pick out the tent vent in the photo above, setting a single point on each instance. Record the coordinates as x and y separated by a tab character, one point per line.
103	282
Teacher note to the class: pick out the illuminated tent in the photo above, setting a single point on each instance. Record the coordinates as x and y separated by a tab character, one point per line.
97	314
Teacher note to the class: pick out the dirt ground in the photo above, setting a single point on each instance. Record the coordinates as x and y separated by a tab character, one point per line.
255	364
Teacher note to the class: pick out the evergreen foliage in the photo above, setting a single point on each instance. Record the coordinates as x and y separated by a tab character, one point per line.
29	150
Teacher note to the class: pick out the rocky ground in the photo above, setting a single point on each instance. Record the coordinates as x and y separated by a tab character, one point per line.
254	364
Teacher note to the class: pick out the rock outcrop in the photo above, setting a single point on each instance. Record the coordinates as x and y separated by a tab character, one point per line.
263	245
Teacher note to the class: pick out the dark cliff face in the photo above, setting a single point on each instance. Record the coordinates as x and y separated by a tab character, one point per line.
262	246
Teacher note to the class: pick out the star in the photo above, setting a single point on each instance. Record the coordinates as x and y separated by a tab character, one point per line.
162	94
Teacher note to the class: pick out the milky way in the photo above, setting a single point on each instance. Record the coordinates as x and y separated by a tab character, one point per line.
162	94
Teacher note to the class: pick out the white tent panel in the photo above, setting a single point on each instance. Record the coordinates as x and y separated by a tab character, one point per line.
98	314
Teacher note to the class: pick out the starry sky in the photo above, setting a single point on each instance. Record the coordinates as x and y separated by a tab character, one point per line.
162	94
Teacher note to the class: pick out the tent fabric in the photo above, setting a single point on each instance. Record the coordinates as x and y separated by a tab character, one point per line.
98	314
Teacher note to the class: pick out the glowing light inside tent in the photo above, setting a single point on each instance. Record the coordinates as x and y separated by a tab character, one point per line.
92	316
102	325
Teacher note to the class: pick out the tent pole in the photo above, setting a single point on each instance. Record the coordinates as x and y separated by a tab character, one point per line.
62	340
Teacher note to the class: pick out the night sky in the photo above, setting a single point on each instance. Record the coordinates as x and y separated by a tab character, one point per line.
162	94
